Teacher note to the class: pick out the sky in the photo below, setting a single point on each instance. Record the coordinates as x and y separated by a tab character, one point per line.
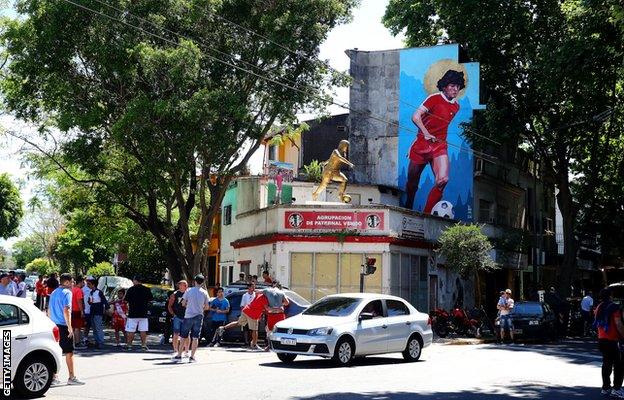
365	32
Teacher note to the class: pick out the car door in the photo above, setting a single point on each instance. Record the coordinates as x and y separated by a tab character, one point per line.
372	334
399	324
16	321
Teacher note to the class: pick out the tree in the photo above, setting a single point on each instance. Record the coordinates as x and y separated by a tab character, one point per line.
11	211
103	268
41	266
467	252
158	123
549	70
26	250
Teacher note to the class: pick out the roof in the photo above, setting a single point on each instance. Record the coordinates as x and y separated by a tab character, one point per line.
365	295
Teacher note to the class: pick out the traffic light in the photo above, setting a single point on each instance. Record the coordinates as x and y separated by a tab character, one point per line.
370	266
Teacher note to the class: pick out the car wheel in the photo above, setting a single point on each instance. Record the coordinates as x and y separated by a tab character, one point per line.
413	349
33	378
344	352
286	358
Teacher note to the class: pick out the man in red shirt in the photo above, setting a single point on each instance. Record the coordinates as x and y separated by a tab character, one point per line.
250	314
77	315
430	147
610	332
40	291
266	277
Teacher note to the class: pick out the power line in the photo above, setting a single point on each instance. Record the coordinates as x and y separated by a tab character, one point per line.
264	77
326	65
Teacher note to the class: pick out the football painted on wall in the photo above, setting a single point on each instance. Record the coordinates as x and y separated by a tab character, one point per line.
437	94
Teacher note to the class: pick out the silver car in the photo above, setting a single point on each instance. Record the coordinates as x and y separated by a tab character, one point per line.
343	326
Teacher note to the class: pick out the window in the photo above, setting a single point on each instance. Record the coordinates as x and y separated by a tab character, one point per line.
375	308
333	307
272	153
227	215
502	217
9	315
485	208
396	308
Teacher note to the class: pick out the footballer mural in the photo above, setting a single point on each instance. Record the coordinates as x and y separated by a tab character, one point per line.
437	94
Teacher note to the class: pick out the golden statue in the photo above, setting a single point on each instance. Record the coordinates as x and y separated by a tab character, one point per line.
331	172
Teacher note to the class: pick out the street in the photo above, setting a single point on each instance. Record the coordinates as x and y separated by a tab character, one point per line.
566	370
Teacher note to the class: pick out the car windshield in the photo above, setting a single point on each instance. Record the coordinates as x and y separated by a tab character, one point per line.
333	307
298	299
528	309
160	295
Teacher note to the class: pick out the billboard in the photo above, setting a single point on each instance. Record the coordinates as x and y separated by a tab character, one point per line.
436	95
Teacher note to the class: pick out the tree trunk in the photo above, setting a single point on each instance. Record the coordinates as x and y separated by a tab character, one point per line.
566	206
176	272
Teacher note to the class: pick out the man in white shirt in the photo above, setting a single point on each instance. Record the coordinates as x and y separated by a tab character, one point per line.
12	285
586	311
87	312
20	286
246	299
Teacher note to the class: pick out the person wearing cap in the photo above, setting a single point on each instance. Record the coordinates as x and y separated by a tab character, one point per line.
138	298
505	317
5	285
196	300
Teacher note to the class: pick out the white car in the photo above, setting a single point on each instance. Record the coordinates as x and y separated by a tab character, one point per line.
343	326
35	352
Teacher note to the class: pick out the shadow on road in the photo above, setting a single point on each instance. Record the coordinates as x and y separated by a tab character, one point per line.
580	351
505	392
326	363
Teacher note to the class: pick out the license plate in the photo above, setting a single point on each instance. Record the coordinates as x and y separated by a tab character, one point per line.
288	341
162	319
518	331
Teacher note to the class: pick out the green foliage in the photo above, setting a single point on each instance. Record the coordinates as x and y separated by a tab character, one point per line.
466	249
103	268
548	69
26	250
11	211
145	258
42	266
145	123
313	171
287	133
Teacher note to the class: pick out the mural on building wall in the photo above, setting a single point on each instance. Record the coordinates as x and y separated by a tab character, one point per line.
436	94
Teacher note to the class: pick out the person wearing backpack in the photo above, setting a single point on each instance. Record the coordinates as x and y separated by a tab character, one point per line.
610	332
98	305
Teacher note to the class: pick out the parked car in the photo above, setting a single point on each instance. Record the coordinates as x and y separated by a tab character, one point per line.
236	286
297	305
157	310
109	283
35	352
30	283
532	320
343	326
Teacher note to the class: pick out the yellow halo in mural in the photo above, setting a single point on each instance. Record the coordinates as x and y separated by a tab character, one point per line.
437	70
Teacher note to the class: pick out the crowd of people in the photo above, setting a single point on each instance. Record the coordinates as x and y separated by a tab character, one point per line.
12	284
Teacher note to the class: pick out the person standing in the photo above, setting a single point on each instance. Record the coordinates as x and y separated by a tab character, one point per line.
219	309
266	278
120	315
86	292
138	298
40	292
59	310
196	301
12	283
247	298
506	322
610	332
97	304
77	310
20	286
175	308
586	311
5	285
275	309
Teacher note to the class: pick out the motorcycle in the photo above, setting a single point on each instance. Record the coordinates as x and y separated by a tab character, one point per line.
459	322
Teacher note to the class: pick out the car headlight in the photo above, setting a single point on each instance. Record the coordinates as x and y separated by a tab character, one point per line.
534	322
320	331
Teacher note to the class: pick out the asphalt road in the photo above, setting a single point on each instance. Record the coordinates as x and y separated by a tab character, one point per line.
570	370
